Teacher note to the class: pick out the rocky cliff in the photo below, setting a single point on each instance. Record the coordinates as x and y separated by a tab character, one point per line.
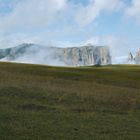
130	57
73	56
135	59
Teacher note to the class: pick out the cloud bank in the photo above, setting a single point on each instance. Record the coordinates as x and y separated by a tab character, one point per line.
35	14
88	14
133	11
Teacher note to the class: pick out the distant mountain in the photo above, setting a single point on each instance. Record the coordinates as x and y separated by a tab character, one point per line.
72	56
135	59
130	57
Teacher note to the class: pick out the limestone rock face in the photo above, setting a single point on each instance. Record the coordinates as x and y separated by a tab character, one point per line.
130	57
134	59
137	57
72	56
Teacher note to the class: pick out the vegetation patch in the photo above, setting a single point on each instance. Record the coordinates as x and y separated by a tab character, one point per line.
47	103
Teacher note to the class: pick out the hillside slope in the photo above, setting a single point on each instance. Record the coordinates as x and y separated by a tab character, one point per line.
47	103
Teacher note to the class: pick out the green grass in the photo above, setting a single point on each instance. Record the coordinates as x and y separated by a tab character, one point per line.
55	103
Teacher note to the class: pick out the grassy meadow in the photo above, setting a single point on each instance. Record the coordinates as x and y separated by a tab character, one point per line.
58	103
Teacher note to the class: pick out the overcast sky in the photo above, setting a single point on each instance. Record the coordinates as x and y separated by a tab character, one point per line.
115	23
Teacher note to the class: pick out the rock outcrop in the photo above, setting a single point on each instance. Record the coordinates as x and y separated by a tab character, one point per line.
72	56
130	57
86	55
134	59
137	57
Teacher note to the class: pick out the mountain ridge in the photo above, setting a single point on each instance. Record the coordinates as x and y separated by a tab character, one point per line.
71	56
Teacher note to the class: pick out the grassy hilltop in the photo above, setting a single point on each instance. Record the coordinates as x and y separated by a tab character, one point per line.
54	103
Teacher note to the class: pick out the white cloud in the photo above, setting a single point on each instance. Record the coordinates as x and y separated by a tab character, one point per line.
88	14
40	13
32	13
134	10
13	40
93	40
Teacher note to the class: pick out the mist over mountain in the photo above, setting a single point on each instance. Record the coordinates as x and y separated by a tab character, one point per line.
72	56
